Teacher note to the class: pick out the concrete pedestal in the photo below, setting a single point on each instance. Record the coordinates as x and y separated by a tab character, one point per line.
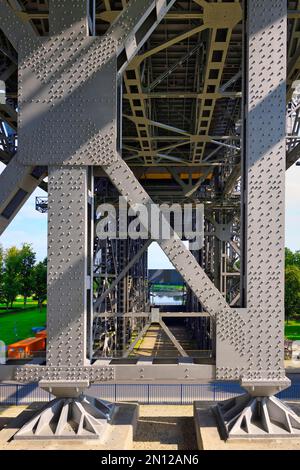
119	433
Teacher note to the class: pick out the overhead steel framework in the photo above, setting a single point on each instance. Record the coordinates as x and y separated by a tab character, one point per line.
158	101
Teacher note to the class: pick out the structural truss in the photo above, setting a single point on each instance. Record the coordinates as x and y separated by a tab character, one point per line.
158	101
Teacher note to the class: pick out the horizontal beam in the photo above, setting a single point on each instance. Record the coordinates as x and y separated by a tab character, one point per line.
146	370
110	16
148	314
163	164
293	14
122	315
184	315
187	137
183	95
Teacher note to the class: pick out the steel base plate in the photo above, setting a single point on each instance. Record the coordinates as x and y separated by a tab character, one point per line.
70	418
256	417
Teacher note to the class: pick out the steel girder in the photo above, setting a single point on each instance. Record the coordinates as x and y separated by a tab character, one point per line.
13	27
17	182
231	360
17	185
264	218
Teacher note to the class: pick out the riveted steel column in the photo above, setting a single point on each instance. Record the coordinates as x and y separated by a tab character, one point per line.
264	174
68	219
250	343
67	266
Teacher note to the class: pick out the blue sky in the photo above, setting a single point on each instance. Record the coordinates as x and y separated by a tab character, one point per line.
30	226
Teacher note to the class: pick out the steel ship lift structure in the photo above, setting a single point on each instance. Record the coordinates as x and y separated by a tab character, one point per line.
165	101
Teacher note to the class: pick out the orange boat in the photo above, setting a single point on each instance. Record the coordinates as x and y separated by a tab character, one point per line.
41	334
26	347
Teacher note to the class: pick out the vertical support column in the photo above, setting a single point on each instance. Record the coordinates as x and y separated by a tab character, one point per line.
264	173
67	266
258	413
69	270
250	340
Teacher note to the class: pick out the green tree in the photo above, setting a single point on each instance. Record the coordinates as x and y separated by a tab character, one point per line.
40	282
27	262
1	272
291	258
11	275
297	259
292	289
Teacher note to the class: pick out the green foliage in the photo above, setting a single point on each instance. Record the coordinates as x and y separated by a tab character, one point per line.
19	275
292	289
11	276
292	259
40	282
292	283
1	272
26	272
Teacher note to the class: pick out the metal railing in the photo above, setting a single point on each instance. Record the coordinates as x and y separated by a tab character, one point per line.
181	394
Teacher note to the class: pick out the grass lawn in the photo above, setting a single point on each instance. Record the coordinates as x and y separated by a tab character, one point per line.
292	330
16	323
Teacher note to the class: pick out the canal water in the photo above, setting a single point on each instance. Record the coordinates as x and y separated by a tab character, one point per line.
167	298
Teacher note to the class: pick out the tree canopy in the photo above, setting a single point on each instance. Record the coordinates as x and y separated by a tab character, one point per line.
40	282
292	283
20	275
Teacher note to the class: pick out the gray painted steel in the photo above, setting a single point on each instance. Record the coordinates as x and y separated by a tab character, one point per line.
251	344
58	77
181	258
80	418
15	29
67	267
246	416
101	371
85	79
233	334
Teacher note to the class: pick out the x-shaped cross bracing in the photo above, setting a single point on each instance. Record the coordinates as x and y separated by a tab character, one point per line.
69	74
